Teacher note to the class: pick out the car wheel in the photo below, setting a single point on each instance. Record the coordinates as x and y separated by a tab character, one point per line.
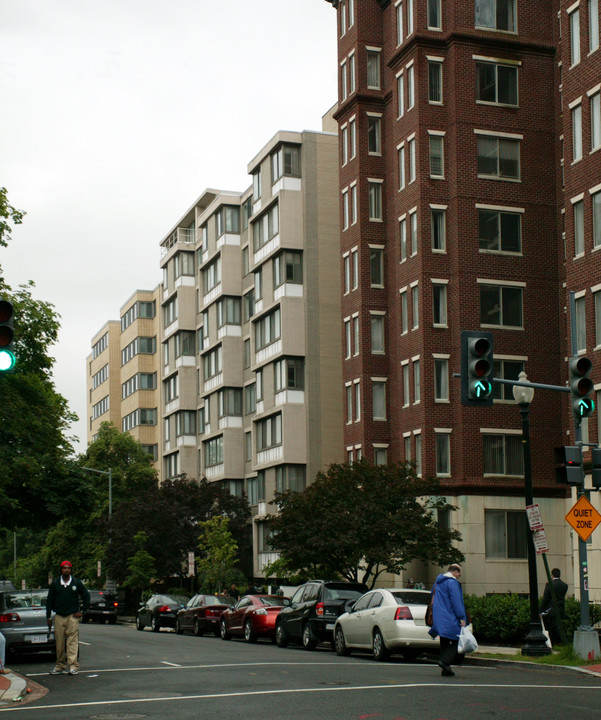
178	628
410	653
249	635
340	643
223	631
380	649
197	628
280	636
155	625
309	642
139	624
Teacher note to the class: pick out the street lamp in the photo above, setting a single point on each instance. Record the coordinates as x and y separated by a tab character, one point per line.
535	641
110	475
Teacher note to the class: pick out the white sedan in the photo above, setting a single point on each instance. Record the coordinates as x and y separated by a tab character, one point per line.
386	621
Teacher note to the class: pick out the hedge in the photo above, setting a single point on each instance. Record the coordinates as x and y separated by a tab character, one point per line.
505	619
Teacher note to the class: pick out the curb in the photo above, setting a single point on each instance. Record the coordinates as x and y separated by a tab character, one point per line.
485	661
16	690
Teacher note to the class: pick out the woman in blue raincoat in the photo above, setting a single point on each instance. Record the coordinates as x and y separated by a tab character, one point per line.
449	615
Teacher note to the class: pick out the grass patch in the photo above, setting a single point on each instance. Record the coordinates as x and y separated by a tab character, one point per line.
561	655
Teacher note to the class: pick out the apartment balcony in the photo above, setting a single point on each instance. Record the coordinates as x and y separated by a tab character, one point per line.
183	236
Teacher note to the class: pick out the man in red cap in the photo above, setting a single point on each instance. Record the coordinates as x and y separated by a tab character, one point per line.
64	597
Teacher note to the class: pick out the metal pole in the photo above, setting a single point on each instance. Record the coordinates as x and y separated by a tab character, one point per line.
15	554
535	641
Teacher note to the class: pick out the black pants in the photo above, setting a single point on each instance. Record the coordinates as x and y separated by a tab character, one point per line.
448	652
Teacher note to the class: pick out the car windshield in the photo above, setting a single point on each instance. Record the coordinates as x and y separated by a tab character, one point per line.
218	600
276	600
343	592
411	598
175	599
25	599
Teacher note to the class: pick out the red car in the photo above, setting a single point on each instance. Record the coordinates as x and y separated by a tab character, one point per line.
202	614
252	617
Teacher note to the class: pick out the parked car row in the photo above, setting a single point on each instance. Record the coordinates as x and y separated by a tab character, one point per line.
346	614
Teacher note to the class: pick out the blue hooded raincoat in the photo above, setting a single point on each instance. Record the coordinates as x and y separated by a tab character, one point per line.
447	607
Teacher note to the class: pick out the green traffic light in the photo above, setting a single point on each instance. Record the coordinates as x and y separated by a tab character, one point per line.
482	389
585	407
7	360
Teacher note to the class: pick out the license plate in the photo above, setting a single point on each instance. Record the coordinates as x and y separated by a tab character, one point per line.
36	638
101	605
330	626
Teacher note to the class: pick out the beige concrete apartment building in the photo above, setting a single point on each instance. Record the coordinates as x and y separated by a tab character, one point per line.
251	344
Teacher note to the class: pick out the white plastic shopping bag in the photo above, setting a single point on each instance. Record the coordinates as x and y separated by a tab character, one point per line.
467	642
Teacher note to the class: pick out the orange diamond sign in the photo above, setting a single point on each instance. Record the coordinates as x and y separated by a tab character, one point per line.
583	518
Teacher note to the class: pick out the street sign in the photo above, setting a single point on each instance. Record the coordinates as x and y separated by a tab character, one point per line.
535	519
583	518
540	541
191	564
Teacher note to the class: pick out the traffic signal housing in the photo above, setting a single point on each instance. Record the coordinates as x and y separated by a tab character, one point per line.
581	386
596	467
570	470
7	336
476	368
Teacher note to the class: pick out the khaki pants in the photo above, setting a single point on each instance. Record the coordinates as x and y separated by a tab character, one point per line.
66	632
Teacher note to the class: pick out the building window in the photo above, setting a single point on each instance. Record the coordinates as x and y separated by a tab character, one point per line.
597	297
285	161
501	306
377	334
434	15
412	160
580	324
435	82
101	407
400	85
578	209
407	448
410	87
229	402
257	185
172	465
346	262
290	477
353	203
496	83
496	14
410	25
357	401
170	312
503	455
351	13
399	23
345	210
506	370
355	268
288	268
373	69
403	238
247	211
344	144
375	200
376	267
289	374
100	377
595	121
250	398
378	388
401	155
418	454
575	37
146	309
100	346
213	451
443	454
171	387
374	135
142	416
439	304
436	156
349	404
577	133
343	81
185	343
596	200
499	231
404	313
185	423
255	488
415	306
593	25
352	127
413	230
352	77
416	381
498	157
211	276
268	432
506	534
266	227
406	392
139	346
268	329
356	344
227	220
380	456
212	363
441	379
438	229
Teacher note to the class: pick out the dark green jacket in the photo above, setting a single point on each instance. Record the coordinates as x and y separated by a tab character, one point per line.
66	600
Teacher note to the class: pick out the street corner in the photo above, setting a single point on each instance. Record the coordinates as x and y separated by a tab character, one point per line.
18	689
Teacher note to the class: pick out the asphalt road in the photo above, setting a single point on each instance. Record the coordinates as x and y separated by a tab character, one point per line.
131	675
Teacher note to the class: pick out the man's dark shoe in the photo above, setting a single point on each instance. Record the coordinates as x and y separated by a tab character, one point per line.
446	669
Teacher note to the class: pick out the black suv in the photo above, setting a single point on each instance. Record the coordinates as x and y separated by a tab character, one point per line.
103	607
313	611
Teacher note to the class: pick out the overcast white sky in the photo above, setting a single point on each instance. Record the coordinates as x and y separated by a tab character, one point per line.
117	114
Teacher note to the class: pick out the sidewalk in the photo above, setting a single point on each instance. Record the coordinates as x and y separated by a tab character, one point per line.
12	688
514	655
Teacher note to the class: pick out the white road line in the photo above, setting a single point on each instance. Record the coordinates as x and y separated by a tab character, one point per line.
81	642
461	686
164	662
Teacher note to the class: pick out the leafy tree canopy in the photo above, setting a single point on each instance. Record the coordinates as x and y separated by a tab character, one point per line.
218	552
358	520
7	213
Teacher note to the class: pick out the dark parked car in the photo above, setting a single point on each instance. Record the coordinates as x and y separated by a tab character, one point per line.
160	611
23	622
103	607
313	610
253	616
202	614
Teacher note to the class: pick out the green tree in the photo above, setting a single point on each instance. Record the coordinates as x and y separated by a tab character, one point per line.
8	213
218	553
140	565
358	520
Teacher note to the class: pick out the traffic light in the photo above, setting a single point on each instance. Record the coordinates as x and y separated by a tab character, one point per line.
476	368
596	469
581	386
570	471
7	335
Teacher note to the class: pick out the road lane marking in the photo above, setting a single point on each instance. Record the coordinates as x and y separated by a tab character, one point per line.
81	642
461	686
164	662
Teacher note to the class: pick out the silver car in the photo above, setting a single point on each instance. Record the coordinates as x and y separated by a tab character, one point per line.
386	621
23	622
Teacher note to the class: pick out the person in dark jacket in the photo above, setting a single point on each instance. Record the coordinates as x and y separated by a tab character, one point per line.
546	606
69	599
449	616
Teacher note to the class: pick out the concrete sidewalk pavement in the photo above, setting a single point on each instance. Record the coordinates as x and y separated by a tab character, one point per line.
13	688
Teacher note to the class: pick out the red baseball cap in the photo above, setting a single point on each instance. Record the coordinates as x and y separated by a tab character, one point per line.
66	563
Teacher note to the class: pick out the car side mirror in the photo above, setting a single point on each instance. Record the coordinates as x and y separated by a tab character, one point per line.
294	605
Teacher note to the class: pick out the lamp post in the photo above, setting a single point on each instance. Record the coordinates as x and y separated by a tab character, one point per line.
535	641
108	472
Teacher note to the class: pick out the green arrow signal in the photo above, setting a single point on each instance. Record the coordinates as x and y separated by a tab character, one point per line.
585	407
482	389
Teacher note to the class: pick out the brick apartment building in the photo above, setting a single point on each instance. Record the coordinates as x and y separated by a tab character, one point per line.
451	118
